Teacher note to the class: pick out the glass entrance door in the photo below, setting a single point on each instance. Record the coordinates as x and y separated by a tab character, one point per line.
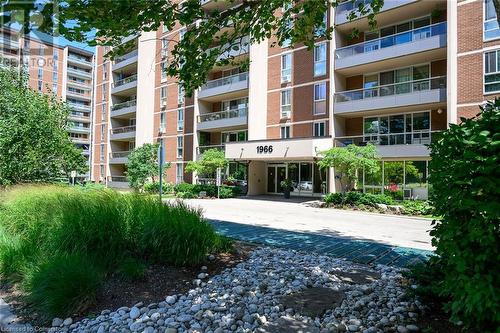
275	174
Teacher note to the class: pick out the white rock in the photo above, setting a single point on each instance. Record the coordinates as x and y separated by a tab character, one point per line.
171	299
134	312
56	322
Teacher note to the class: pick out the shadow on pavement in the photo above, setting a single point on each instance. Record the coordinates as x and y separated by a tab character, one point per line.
324	242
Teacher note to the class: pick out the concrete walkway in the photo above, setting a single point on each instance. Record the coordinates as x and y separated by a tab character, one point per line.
357	236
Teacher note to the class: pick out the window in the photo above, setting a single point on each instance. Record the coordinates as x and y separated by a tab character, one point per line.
55	76
319	128
234	136
320	30
286	103
180	94
103	132
40	74
40	85
182	32
286	67
163	96
180	119
320	59
103	175
164	47
163	122
163	66
320	98
105	71
180	146
492	71
164	28
103	112
104	91
102	153
54	87
235	104
409	128
491	29
285	132
287	41
179	173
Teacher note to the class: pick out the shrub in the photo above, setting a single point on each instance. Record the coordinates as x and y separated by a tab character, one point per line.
183	187
58	241
465	177
63	285
187	191
357	198
154	187
417	207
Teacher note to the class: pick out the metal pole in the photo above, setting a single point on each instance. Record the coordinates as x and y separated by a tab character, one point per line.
160	167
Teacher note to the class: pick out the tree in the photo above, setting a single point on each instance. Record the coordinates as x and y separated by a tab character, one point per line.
34	143
349	161
143	165
101	22
208	163
396	171
465	177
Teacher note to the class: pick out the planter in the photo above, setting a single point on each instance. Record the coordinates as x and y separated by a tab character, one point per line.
286	193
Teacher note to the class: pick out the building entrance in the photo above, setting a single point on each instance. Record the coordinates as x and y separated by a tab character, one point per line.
275	174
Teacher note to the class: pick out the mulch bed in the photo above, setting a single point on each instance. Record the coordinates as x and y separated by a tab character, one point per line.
158	282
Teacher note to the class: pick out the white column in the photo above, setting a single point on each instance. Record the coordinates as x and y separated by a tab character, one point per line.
257	91
452	67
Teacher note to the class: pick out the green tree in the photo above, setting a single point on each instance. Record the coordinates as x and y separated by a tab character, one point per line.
143	166
34	143
349	161
394	172
107	22
465	175
208	163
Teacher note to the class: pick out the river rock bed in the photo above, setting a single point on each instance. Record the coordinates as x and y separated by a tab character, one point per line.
322	294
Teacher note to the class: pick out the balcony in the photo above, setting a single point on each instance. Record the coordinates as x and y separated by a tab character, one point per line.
398	95
125	60
78	95
80	73
80	107
223	119
79	129
79	118
81	85
407	144
81	61
81	141
123	133
119	157
124	85
421	44
345	8
124	109
233	86
231	53
8	43
118	182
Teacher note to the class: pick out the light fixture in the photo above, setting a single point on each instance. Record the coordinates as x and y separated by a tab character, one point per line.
439	111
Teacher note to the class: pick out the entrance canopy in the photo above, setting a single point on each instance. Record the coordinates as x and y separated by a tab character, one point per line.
278	150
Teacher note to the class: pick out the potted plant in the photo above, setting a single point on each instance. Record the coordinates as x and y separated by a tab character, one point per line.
286	185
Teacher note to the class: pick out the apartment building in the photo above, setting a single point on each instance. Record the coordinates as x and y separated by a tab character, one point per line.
65	71
396	87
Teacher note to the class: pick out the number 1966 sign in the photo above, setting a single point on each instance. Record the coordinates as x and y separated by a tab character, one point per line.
264	149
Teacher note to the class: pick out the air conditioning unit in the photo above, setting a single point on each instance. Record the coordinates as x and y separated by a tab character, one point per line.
163	103
285	114
163	130
286	78
180	100
164	53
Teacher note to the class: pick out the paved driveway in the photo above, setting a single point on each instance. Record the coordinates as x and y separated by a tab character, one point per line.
399	231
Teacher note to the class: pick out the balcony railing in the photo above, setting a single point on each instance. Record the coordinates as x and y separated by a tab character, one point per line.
226	114
79	106
392	40
79	128
79	71
407	87
202	149
125	129
422	137
119	154
118	178
349	5
226	80
123	105
80	59
126	80
126	56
